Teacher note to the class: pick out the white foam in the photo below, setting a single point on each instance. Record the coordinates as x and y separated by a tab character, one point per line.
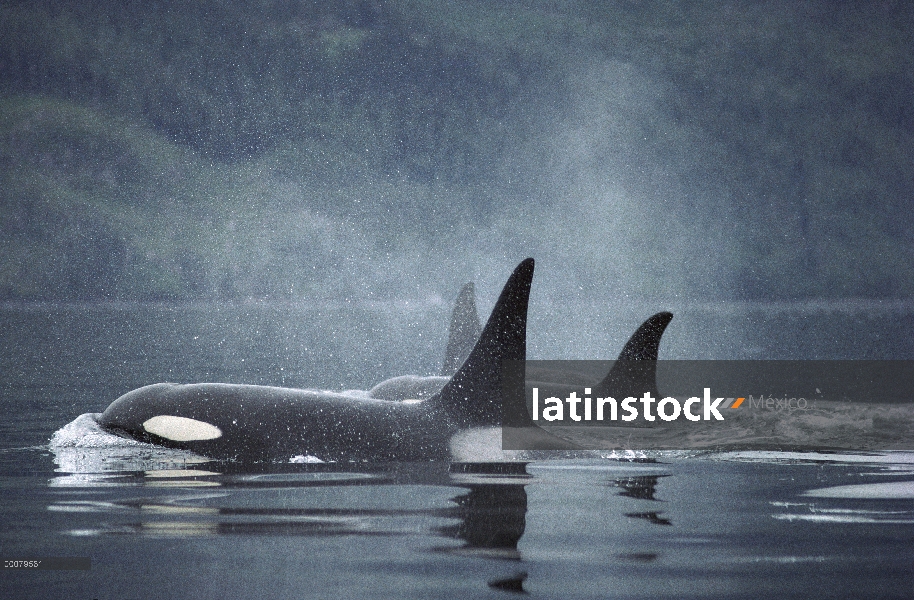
85	432
92	455
305	459
856	519
177	473
882	491
888	457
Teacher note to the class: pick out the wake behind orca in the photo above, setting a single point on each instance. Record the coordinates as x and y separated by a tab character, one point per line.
251	422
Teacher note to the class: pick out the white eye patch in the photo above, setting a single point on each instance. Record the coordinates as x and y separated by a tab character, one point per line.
181	429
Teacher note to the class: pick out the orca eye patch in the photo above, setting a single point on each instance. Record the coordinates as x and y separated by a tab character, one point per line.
181	429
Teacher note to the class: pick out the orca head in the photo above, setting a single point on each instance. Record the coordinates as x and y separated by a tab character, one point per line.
147	414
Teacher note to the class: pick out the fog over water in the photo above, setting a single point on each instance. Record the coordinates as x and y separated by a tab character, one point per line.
687	152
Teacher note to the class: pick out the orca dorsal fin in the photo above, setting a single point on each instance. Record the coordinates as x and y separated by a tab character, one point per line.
465	330
635	371
473	395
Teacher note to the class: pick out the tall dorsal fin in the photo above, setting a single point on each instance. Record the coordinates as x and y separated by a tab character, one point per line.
465	330
635	371
473	396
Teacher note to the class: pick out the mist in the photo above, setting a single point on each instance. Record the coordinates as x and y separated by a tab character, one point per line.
673	157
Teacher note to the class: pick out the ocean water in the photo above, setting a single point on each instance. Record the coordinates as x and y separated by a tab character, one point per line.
156	523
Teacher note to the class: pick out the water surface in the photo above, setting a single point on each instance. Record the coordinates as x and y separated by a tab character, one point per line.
163	524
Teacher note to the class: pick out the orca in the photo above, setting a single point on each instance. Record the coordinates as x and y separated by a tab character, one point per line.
250	422
463	333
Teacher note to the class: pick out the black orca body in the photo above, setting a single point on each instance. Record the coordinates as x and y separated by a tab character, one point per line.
251	422
464	331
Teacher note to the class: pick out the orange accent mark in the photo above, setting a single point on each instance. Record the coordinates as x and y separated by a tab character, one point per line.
737	403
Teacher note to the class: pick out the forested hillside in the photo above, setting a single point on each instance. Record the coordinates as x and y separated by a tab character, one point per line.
296	149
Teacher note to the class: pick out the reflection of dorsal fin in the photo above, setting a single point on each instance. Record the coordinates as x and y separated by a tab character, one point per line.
473	396
635	371
465	330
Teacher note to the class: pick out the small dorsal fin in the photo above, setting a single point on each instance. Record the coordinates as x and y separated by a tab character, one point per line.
635	371
473	396
465	330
